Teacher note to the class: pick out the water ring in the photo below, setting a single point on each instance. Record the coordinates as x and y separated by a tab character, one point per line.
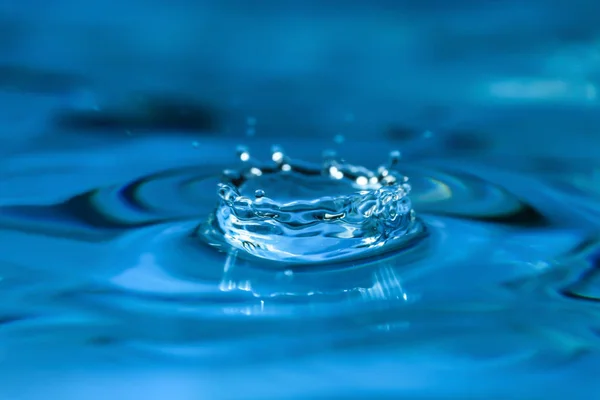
296	212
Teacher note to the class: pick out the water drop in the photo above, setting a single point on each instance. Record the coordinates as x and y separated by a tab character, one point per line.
255	171
336	173
195	144
311	217
339	139
243	153
362	181
277	154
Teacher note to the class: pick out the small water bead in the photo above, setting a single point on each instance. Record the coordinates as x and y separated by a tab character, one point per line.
336	173
320	213
243	153
362	181
277	154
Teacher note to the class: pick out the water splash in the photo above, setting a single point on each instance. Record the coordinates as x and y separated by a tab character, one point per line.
296	212
497	285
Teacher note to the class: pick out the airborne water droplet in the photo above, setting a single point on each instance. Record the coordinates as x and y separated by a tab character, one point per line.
243	153
362	181
277	154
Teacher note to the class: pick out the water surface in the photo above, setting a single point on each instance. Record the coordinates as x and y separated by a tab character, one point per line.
482	272
105	272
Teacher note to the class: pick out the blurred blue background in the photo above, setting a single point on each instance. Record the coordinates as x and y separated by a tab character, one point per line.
510	68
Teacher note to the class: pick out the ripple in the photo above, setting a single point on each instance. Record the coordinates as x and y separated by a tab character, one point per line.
128	256
585	282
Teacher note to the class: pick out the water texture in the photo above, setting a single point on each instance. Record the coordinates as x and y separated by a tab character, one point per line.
307	226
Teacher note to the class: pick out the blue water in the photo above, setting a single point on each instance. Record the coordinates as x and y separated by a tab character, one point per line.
125	272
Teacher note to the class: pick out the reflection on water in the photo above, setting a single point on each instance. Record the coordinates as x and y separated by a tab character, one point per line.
110	271
112	156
